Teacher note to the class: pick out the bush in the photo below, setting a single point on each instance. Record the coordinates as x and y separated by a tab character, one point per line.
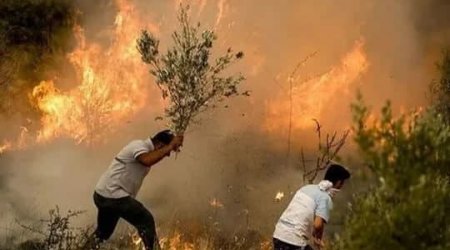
57	233
408	207
441	88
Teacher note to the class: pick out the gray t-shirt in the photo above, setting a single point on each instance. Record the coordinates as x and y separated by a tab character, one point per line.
125	174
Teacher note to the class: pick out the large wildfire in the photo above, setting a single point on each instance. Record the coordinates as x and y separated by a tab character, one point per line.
231	183
110	87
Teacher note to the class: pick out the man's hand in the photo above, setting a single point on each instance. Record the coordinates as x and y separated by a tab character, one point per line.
318	243
150	158
176	142
319	225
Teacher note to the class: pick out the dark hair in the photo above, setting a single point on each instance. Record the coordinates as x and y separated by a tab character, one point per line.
335	173
164	137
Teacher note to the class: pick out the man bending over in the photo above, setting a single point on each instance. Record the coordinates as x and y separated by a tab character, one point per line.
304	219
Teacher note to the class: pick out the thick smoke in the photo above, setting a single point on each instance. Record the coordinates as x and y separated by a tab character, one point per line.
432	21
230	156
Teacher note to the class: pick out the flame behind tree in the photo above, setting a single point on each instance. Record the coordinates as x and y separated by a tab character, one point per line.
185	75
311	96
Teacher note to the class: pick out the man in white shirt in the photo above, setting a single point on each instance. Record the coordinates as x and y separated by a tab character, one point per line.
116	190
305	217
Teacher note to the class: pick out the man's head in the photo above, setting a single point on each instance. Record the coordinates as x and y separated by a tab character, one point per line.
162	139
336	174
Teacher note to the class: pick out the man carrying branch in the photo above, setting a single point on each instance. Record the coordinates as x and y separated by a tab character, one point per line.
304	219
116	190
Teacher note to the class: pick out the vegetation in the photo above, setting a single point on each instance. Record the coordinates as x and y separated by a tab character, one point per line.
56	232
186	75
441	88
409	206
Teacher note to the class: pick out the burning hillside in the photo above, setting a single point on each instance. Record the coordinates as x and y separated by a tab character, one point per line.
231	181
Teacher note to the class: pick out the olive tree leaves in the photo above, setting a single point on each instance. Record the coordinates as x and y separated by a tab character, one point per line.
187	74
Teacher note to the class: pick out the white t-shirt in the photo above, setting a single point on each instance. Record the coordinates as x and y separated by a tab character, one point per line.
125	174
295	225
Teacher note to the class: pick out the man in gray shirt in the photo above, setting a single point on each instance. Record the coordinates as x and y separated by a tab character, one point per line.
116	190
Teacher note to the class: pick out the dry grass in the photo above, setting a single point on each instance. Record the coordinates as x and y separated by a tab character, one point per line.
57	233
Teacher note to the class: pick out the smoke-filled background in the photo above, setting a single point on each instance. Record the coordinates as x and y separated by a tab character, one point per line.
61	133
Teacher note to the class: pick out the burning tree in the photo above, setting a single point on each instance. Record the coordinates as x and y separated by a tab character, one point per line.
186	75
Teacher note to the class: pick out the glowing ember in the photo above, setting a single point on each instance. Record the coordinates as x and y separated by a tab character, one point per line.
266	245
5	146
216	203
310	97
137	241
279	196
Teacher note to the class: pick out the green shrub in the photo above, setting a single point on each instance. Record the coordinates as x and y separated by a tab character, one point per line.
409	206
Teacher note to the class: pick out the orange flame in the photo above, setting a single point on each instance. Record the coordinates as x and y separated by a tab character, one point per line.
110	90
60	113
279	196
175	242
110	87
215	203
5	146
137	241
20	142
222	7
310	97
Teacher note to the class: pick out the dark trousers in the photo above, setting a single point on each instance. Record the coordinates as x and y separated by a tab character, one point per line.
131	210
281	245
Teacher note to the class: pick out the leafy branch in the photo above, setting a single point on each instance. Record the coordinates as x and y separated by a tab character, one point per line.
186	75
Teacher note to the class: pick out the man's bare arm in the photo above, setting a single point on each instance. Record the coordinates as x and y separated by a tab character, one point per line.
319	225
151	158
